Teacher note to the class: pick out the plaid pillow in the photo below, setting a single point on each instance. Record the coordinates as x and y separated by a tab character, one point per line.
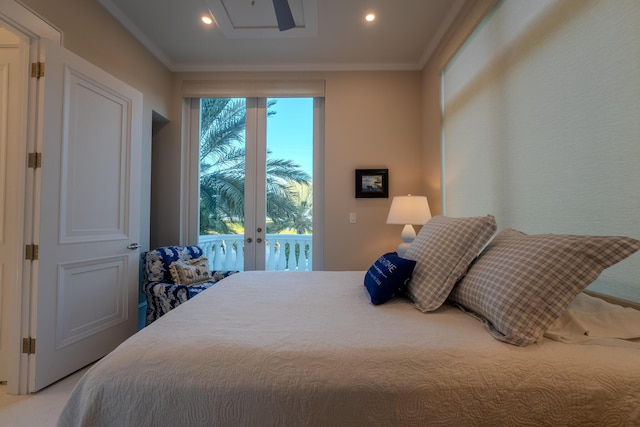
443	250
521	283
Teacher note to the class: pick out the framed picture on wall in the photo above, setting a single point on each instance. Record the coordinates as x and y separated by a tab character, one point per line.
372	183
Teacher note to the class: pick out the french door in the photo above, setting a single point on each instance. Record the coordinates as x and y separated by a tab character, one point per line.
256	178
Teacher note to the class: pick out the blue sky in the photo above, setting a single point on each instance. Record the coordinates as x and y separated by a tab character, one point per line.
290	131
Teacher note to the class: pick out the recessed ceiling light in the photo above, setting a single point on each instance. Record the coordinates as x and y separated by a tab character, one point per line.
370	17
207	20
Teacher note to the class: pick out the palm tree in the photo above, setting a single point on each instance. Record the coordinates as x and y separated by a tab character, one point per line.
301	220
222	166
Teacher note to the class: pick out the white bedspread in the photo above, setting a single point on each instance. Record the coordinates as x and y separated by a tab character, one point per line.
307	349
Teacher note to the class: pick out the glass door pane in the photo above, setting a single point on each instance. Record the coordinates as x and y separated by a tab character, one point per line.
222	181
289	175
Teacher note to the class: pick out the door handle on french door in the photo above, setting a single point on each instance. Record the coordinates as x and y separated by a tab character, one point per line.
133	246
249	240
258	240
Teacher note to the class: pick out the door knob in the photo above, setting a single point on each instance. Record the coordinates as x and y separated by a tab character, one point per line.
133	246
259	230
249	240
259	240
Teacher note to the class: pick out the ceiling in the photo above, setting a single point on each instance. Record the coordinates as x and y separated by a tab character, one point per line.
330	35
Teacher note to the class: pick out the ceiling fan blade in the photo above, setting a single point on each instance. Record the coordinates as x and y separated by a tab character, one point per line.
283	15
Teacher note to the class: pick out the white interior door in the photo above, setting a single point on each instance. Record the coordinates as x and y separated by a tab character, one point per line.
13	84
87	213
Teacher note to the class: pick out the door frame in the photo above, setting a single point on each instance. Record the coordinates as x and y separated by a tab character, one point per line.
190	148
24	22
15	81
255	171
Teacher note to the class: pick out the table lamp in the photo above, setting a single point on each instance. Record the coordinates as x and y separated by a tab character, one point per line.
408	210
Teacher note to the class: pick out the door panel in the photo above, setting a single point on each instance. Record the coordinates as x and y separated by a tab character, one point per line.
93	162
87	213
92	298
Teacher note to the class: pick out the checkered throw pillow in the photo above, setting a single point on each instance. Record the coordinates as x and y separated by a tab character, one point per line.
443	249
521	283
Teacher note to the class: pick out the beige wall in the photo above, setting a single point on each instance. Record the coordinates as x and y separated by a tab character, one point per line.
92	33
372	120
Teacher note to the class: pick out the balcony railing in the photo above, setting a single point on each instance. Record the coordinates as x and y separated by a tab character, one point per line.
283	252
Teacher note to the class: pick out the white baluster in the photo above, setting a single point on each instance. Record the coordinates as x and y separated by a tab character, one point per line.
206	252
282	254
239	265
271	254
206	249
219	256
293	262
229	255
308	263
222	254
267	254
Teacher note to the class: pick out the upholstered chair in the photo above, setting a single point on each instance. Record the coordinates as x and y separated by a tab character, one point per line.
165	264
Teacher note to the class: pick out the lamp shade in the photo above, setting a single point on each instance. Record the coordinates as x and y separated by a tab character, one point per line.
409	210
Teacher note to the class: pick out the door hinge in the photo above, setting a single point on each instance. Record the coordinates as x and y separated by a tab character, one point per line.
31	252
37	69
29	345
35	160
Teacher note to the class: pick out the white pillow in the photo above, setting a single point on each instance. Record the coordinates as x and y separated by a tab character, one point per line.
592	320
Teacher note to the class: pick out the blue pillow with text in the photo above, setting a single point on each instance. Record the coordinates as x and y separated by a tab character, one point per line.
388	277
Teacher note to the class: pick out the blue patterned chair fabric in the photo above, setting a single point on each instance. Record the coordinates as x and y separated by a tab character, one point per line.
162	293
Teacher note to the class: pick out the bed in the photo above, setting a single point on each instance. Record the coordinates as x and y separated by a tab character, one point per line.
313	349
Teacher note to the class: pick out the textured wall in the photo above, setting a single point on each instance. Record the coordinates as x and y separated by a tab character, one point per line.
541	123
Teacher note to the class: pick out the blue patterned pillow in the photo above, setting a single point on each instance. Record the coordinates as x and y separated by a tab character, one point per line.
388	277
